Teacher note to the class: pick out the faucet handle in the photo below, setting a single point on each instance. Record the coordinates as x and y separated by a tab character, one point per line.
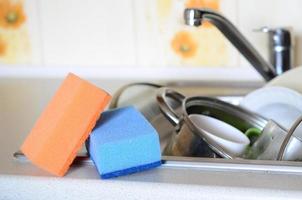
263	29
278	36
280	47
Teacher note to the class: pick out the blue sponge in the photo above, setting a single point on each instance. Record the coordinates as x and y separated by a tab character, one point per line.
124	142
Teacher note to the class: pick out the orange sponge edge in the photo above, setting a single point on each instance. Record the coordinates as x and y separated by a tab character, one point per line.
64	125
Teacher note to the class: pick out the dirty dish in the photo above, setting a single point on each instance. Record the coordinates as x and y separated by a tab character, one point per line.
280	104
188	138
225	135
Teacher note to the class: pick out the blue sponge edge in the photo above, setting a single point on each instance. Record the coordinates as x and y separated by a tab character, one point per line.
131	170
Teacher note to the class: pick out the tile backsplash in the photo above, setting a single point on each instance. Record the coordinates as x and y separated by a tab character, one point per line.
164	40
142	33
14	35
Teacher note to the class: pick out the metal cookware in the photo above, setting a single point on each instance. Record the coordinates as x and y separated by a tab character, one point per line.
275	143
168	111
143	96
190	140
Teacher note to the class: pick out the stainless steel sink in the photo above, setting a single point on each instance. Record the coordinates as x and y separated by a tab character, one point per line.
231	92
22	100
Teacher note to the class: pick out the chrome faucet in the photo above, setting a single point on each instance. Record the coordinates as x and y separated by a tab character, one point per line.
281	49
194	17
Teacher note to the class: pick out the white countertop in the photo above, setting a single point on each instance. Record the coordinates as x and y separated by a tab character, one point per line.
22	180
160	183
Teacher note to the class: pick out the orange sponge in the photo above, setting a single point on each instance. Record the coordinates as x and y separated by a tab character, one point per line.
65	124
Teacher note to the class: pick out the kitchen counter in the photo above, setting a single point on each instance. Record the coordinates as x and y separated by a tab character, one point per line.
164	182
21	102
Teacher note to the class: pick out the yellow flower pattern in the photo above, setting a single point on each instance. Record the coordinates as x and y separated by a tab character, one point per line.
3	47
191	46
11	14
184	45
14	39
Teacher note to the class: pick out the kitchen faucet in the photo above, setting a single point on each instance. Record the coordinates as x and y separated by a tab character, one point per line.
281	51
195	17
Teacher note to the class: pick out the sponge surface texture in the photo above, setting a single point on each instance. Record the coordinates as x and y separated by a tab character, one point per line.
124	142
65	124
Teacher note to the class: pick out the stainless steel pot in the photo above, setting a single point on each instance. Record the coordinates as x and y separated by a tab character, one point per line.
168	111
143	97
189	140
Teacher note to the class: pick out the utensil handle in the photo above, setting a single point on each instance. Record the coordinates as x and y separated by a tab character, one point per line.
164	106
116	97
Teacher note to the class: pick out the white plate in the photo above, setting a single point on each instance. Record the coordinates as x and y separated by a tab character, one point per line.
228	137
291	79
280	104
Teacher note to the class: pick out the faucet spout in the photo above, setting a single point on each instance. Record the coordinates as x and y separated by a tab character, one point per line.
195	17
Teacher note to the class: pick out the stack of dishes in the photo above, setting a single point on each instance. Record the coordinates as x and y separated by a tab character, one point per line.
284	107
280	104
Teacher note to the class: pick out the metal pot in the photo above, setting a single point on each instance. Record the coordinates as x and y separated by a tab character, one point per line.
188	139
143	97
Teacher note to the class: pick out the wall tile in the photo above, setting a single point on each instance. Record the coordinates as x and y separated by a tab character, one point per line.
148	49
19	35
158	22
138	33
272	13
34	29
90	32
